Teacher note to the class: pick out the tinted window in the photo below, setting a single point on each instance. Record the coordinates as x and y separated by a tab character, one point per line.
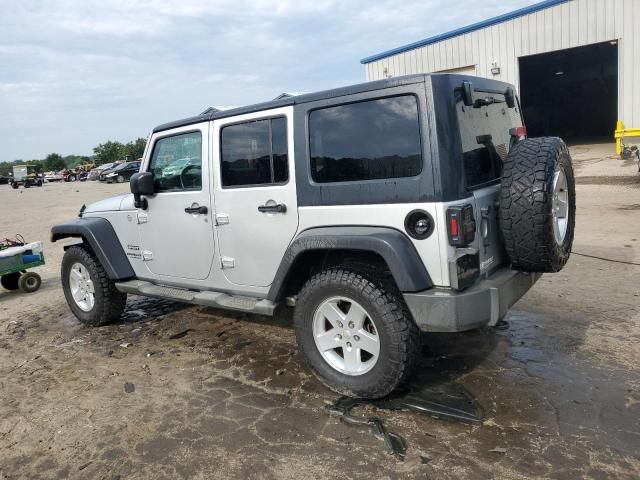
366	141
132	166
176	162
484	133
254	153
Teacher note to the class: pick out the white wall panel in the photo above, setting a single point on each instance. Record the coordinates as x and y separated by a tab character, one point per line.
572	24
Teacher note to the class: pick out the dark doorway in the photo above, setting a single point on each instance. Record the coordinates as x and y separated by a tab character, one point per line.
571	93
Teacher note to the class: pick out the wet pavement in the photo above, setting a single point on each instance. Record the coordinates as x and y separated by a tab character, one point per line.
229	396
188	392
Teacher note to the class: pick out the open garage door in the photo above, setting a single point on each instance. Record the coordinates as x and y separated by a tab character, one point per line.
571	93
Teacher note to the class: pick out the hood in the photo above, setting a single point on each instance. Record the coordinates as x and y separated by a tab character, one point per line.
120	202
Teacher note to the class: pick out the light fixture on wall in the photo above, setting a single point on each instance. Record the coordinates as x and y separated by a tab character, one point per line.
495	69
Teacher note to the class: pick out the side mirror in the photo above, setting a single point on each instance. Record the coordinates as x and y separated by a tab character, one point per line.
141	183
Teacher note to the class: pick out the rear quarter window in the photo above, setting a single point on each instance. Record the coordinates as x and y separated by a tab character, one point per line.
368	140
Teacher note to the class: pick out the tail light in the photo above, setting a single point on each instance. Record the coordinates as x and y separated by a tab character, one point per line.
461	225
518	132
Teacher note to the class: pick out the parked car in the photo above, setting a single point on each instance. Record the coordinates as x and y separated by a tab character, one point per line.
174	168
72	175
377	211
120	173
4	180
53	177
95	172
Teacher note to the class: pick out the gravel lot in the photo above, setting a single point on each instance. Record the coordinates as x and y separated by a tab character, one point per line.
190	392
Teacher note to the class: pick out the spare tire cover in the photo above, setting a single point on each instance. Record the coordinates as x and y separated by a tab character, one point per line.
538	204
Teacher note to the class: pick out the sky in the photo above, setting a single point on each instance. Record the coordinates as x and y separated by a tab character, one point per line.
76	73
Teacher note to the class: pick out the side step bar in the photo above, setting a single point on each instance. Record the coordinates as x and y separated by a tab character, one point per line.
208	299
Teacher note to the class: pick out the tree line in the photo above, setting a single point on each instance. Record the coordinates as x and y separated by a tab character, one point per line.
103	153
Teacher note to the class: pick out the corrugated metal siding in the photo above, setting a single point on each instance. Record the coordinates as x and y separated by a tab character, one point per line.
572	24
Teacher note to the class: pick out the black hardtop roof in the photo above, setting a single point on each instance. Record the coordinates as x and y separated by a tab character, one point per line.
307	97
333	93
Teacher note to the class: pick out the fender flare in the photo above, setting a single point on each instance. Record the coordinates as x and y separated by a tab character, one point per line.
99	234
393	246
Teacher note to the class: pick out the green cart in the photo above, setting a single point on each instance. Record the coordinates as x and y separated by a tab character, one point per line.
15	259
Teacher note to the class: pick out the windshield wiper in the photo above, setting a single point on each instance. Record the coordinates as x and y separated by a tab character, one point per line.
483	102
467	89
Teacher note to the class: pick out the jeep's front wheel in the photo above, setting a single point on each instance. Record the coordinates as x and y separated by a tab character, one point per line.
355	332
91	295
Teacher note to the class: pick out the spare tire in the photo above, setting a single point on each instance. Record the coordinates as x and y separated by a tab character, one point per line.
538	204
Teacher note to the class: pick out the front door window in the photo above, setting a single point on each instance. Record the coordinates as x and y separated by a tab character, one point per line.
176	162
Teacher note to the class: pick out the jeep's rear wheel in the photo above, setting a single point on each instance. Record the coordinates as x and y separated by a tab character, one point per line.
91	295
538	204
346	336
355	332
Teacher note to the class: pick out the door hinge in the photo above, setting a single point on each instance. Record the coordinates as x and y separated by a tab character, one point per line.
227	262
222	219
147	255
142	217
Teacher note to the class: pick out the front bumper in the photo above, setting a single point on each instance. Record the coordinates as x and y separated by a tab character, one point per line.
483	304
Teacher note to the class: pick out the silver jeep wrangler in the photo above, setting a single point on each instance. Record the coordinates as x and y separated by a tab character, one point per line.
377	210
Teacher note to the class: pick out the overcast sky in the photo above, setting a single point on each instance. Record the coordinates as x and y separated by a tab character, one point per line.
77	73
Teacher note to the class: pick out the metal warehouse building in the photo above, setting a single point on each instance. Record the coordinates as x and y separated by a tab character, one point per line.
576	63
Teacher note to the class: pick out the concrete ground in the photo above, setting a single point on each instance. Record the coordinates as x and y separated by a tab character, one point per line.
188	392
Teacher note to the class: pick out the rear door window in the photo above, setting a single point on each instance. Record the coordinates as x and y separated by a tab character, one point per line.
485	138
255	153
369	140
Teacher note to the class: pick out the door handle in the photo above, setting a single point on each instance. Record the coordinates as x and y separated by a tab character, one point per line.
275	208
195	210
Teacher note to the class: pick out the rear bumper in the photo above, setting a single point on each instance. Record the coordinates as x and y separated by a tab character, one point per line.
486	302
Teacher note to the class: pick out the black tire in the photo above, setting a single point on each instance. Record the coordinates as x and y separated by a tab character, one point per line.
27	184
39	183
526	204
398	334
72	178
10	280
120	179
109	302
29	282
14	185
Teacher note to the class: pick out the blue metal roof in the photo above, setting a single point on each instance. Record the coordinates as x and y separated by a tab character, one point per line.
470	28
